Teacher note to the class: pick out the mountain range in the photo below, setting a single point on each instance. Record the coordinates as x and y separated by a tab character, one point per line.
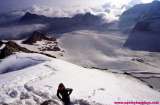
141	13
23	25
64	24
144	22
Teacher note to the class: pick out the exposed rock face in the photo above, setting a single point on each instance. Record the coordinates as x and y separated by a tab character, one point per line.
10	48
143	41
37	36
142	26
148	25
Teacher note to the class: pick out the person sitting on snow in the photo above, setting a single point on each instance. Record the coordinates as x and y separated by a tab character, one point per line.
64	94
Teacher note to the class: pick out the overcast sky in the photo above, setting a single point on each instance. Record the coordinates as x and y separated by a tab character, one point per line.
8	5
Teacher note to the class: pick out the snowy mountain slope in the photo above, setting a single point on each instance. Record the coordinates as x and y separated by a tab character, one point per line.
38	83
21	60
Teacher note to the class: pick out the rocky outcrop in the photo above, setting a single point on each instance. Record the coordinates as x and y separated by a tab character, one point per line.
10	48
46	43
37	36
52	48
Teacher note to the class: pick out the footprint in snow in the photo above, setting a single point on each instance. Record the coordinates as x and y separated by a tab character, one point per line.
50	67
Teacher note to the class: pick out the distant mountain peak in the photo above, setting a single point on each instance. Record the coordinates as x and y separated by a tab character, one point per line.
28	14
29	17
86	15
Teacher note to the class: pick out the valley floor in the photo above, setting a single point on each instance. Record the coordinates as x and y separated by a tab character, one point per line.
104	50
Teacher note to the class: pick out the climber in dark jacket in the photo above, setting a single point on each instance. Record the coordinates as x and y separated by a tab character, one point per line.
64	94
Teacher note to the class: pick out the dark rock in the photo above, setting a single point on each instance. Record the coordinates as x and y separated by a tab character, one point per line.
53	48
10	48
37	36
50	102
24	95
2	103
138	60
56	48
13	94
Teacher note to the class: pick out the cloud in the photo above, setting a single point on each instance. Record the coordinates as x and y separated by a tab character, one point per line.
47	11
111	10
56	12
114	8
105	11
14	32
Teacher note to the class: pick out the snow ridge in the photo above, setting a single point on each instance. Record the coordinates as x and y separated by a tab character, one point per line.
38	83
